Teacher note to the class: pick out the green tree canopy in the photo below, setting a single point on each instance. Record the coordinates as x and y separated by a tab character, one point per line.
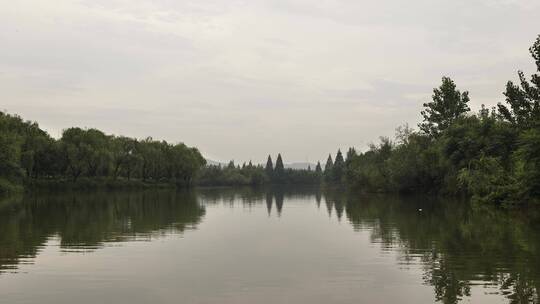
523	100
339	167
318	168
269	167
279	170
329	169
329	164
448	104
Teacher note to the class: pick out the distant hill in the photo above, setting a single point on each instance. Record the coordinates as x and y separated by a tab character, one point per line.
210	162
300	166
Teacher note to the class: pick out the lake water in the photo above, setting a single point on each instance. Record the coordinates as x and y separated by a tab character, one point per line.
263	246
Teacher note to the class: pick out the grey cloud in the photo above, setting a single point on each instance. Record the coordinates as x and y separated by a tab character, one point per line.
241	79
382	93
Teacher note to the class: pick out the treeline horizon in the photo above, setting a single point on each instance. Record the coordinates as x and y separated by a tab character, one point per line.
250	174
29	155
492	155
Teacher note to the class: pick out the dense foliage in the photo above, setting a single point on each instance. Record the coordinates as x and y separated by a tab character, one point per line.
492	155
28	153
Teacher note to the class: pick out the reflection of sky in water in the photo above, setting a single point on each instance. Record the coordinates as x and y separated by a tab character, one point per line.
246	246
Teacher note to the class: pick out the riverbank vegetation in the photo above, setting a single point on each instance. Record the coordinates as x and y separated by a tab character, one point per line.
87	158
492	155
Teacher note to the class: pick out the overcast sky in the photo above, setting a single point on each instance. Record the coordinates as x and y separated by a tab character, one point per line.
241	79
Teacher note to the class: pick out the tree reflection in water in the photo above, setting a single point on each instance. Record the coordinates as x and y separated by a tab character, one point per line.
86	221
458	245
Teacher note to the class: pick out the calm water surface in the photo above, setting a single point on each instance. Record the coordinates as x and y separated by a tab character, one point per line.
263	246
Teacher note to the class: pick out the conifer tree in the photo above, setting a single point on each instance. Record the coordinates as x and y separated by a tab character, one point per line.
329	164
318	168
318	172
279	171
328	168
351	154
339	167
269	170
